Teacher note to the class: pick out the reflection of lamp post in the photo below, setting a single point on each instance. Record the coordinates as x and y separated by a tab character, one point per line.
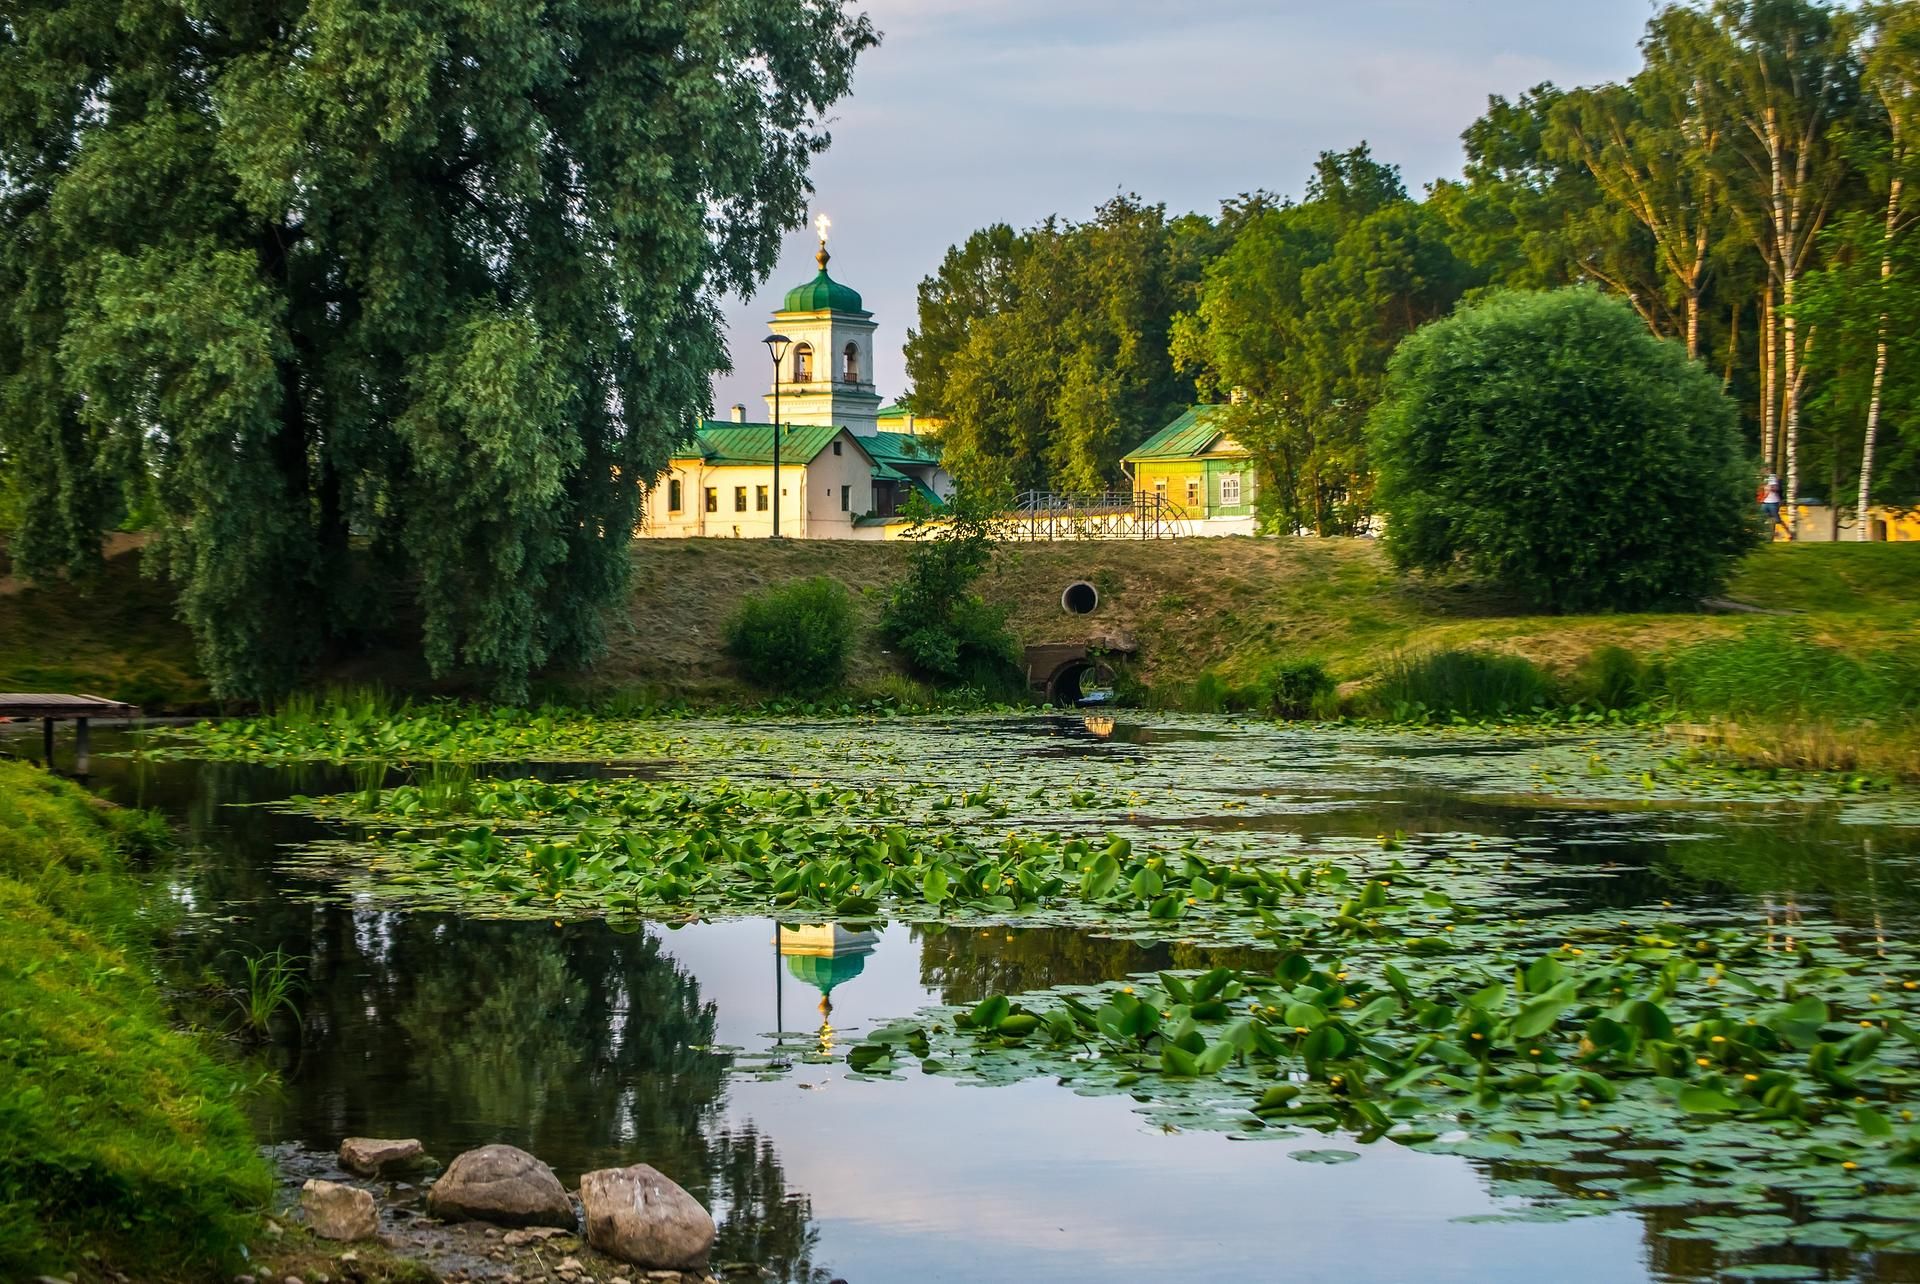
777	345
780	1061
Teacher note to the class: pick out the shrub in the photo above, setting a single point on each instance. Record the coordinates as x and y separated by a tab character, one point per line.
1462	684
1295	689
1548	442
794	639
1615	678
940	627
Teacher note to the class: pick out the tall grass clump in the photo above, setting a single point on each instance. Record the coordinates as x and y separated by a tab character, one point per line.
795	639
1775	673
1283	689
120	1136
1470	685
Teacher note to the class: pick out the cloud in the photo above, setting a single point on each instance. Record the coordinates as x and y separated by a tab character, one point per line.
980	111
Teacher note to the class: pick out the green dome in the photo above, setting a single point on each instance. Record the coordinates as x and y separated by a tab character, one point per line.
822	294
825	972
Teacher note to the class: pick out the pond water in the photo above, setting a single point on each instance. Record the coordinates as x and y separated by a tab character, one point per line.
714	1049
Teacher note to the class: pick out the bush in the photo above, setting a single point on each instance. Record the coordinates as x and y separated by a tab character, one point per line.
1462	684
940	627
1295	689
1548	442
794	639
1615	678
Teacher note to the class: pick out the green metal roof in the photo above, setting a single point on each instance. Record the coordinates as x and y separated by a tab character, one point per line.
902	448
892	410
722	442
1187	437
823	294
824	973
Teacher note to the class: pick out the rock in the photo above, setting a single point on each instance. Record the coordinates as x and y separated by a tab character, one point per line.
501	1184
368	1155
335	1211
569	1266
243	1279
641	1216
531	1235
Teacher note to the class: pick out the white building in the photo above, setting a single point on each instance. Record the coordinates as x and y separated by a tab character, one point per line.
841	475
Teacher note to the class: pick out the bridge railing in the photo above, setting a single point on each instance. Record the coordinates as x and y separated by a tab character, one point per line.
1113	514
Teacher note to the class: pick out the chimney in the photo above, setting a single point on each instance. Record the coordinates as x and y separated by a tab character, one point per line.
739	413
910	427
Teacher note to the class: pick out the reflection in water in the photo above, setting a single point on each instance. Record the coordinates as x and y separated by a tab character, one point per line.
823	957
591	1045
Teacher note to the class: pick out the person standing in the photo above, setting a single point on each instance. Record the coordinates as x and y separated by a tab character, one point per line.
1770	503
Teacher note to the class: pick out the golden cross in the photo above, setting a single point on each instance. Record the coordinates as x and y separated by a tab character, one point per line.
823	223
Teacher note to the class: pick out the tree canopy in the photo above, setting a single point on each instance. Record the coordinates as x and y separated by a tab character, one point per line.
1746	191
1550	443
354	294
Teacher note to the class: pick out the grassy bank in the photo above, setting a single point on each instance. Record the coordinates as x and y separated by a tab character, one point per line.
1208	617
121	1147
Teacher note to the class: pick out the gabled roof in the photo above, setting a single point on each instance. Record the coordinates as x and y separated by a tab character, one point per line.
721	442
902	448
1188	437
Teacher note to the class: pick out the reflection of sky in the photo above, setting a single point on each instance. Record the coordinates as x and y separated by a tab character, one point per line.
928	1179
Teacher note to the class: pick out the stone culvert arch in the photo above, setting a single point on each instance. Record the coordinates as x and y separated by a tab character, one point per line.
1061	671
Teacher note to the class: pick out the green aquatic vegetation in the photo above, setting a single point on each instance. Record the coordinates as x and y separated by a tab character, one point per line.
271	980
1664	1067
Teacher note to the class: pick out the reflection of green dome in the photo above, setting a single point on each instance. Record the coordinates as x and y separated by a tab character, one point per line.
823	972
823	293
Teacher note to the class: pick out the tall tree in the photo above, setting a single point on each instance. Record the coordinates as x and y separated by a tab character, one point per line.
1650	146
1046	352
1300	317
1784	79
1892	80
437	276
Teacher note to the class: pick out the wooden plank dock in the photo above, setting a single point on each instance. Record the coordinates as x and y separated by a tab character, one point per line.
51	708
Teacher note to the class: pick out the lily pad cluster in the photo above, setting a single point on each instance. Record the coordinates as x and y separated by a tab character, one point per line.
1694	1070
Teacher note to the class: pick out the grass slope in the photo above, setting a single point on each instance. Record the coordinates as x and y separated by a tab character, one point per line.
1230	606
120	1143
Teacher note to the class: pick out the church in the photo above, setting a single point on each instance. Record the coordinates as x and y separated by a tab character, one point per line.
848	465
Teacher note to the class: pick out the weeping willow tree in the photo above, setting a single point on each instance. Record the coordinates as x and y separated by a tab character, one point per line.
415	292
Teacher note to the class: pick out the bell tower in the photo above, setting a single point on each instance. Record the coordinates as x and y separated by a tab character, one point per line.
827	376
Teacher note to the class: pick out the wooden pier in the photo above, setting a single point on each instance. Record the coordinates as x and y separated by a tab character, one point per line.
77	709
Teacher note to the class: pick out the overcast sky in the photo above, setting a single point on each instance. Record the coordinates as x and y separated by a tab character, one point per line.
974	112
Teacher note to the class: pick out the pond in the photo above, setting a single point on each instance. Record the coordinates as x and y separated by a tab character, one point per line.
685	1028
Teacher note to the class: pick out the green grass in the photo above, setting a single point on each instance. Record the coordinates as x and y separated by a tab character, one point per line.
120	1136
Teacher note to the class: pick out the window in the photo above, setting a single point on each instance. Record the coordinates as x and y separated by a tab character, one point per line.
846	497
1160	489
1193	492
850	373
739	499
673	495
713	499
836	447
1230	490
759	499
803	364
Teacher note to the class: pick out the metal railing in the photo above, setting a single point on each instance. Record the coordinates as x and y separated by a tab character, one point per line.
1114	514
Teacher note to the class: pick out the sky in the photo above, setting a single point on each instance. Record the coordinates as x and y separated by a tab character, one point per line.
973	112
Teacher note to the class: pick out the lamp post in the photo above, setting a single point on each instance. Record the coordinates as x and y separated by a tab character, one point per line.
777	345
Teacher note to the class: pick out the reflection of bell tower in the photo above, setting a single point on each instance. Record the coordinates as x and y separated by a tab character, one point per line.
825	957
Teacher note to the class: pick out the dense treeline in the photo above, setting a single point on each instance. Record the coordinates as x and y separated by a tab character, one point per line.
1749	191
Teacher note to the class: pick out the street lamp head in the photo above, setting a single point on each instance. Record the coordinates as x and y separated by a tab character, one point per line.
777	345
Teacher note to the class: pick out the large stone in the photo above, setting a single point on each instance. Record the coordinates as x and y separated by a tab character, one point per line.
501	1184
335	1211
641	1216
368	1155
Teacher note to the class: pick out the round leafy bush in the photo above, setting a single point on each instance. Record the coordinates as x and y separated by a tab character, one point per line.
794	639
1548	442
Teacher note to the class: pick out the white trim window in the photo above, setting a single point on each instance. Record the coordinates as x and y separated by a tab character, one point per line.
1229	490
